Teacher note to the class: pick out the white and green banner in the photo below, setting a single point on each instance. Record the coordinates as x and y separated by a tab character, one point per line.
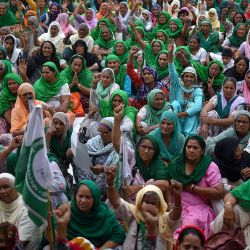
33	172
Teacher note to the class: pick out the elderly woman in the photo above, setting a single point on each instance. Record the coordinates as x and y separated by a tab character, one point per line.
13	210
149	202
240	130
185	95
106	86
236	211
20	113
92	219
201	180
219	112
54	90
148	118
169	136
7	18
120	49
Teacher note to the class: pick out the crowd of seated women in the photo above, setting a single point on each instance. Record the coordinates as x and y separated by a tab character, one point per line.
146	114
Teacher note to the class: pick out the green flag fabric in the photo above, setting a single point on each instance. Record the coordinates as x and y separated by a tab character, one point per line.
33	172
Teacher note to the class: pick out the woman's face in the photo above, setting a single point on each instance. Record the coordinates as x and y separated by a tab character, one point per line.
163	60
80	49
106	34
48	74
214	70
182	56
211	15
193	43
7	191
84	199
41	3
191	242
238	152
105	134
244	3
9	45
242	125
59	126
25	98
188	79
156	46
162	19
123	9
76	65
81	10
167	127
241	31
113	64
232	14
47	50
106	79
241	66
147	76
54	31
229	90
145	16
13	86
120	49
210	3
102	25
117	100
158	102
194	152
238	18
3	10
149	200
247	79
156	11
205	28
161	36
89	15
146	150
173	26
104	10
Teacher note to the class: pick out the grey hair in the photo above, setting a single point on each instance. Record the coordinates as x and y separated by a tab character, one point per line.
110	72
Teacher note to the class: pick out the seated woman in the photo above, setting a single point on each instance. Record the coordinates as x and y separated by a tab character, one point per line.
244	49
7	17
46	53
240	130
106	85
236	211
120	49
169	136
92	219
148	118
198	54
149	202
63	20
214	19
219	112
54	90
11	84
201	182
79	78
5	69
144	82
20	113
185	95
104	43
13	210
243	89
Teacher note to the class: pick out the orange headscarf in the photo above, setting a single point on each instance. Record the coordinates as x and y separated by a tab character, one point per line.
28	14
99	15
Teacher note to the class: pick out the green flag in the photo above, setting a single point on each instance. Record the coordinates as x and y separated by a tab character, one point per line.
33	172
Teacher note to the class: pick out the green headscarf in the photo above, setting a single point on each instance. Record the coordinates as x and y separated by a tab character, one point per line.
106	107
122	71
179	24
153	115
8	19
240	8
157	169
8	66
177	139
85	77
177	167
124	57
132	42
236	41
45	90
105	44
162	72
4	51
7	98
96	31
149	55
166	35
99	225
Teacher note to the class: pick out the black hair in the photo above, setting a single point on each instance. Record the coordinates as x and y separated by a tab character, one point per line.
230	79
191	230
82	43
196	38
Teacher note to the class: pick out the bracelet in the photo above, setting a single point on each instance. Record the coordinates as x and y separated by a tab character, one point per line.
227	203
192	188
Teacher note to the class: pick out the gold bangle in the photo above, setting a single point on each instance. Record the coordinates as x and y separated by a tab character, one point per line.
192	188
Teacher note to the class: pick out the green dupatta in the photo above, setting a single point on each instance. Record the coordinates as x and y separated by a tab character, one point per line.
157	169
96	31
149	55
179	24
45	90
234	39
132	42
105	44
7	98
85	77
8	19
223	113
153	115
124	57
99	225
177	167
162	72
106	108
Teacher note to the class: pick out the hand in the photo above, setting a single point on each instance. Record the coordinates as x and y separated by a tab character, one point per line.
210	82
51	130
129	190
33	29
204	131
22	68
97	169
246	172
139	59
75	80
208	120
187	20
171	46
118	112
110	175
176	190
63	214
116	7
16	142
228	217
131	24
133	50
151	216
69	153
97	78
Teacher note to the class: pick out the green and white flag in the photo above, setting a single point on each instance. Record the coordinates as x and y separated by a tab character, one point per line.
33	172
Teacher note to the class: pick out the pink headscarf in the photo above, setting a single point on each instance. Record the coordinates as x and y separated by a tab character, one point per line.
92	23
63	20
246	89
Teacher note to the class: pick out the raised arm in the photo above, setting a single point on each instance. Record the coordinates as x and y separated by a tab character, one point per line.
137	36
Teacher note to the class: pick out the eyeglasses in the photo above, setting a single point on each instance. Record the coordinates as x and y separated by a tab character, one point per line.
144	147
243	122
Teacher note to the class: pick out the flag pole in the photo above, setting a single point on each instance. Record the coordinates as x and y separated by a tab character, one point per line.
49	228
